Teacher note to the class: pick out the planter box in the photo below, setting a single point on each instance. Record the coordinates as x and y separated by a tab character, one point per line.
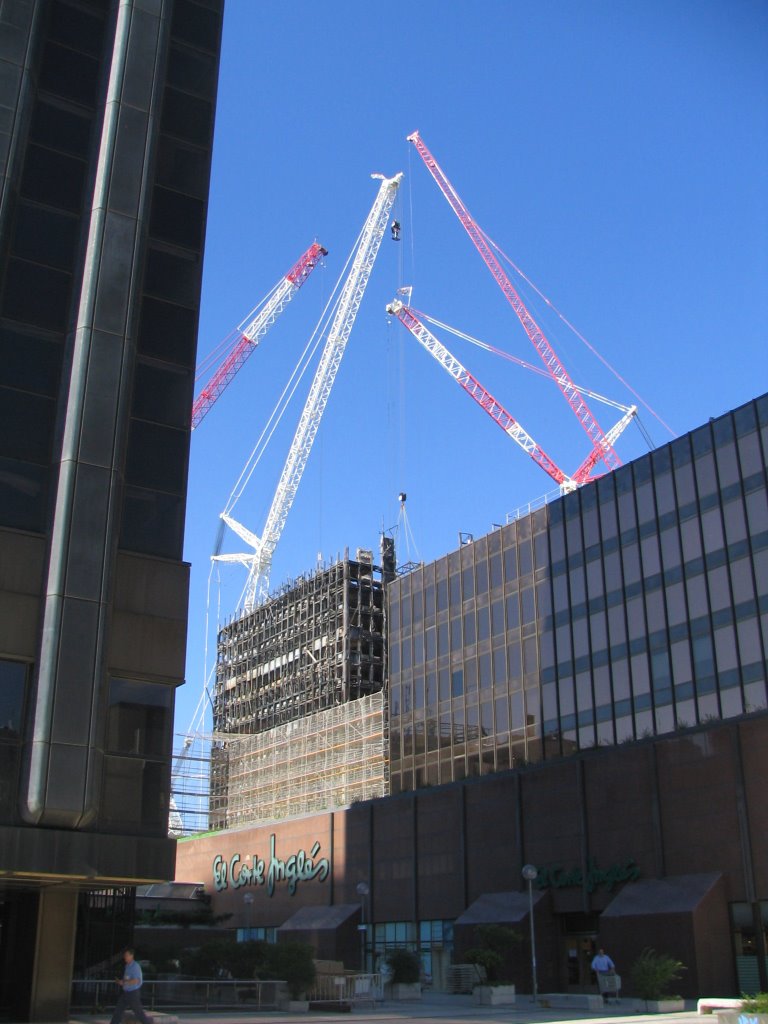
493	995
741	1017
401	990
298	1006
660	1005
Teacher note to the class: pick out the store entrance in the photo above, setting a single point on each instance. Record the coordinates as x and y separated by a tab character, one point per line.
578	946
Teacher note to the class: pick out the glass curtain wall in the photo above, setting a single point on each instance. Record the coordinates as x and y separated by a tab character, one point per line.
635	606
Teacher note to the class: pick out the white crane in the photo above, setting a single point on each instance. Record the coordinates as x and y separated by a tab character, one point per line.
259	562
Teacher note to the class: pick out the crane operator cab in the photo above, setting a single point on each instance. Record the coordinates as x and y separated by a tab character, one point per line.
395	230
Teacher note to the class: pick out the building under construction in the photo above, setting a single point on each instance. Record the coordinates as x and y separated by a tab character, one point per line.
298	705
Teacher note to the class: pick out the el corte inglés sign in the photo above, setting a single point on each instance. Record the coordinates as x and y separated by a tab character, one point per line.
299	867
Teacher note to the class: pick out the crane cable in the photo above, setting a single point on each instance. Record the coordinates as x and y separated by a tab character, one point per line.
229	341
514	359
578	333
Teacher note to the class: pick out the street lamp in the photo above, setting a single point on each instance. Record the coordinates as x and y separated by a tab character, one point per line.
362	889
530	874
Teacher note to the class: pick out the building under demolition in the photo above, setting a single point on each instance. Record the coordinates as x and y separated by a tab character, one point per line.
298	711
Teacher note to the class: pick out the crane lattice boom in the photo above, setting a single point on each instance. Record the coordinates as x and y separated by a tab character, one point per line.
536	335
475	390
255	331
260	562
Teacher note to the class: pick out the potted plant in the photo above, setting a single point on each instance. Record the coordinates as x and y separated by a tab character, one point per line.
496	942
752	1010
652	976
405	967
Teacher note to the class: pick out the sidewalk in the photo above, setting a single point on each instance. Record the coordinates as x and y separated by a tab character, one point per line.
438	1006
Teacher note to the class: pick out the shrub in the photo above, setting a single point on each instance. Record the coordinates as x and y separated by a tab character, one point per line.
653	973
239	959
487	958
406	966
758	1003
292	962
496	941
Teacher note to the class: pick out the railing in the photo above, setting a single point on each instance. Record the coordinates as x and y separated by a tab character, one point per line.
347	988
94	996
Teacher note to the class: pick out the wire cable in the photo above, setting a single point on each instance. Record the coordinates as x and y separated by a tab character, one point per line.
578	333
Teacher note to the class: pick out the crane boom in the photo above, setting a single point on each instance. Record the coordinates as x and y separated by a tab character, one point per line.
584	473
532	329
255	331
260	562
475	390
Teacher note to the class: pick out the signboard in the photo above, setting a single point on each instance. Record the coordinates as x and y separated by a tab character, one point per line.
301	866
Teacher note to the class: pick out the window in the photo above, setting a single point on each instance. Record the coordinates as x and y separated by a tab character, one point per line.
139	719
13	682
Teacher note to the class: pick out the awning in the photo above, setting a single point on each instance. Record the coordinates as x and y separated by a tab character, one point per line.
171	890
678	894
498	908
314	919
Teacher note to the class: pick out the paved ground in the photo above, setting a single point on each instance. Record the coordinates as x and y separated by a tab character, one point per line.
447	1009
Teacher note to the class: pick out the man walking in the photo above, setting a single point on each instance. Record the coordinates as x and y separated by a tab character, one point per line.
607	979
129	998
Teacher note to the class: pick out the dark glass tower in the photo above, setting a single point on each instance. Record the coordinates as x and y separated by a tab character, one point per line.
106	122
633	607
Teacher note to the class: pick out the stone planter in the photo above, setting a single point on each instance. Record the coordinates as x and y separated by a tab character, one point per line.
406	991
298	1006
493	995
660	1005
741	1017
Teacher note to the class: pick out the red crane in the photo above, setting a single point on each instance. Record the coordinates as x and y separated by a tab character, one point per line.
475	390
250	337
601	442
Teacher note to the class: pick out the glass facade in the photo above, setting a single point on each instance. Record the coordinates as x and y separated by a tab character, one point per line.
632	607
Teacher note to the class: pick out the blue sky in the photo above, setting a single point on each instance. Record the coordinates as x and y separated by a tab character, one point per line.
615	151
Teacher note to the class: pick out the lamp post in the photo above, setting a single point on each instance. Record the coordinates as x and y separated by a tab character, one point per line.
530	874
362	889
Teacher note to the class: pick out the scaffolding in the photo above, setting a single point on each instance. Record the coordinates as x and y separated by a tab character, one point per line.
299	720
316	644
319	763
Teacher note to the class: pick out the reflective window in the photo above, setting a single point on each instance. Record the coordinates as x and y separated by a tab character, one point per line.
510	564
749	641
496	571
528	605
689	531
13	682
484	671
750	455
139	718
727	464
526	558
735	524
135	794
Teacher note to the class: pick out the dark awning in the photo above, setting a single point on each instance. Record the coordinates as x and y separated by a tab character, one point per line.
498	908
314	919
678	894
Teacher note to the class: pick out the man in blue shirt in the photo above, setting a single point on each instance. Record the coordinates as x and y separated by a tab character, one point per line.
129	998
